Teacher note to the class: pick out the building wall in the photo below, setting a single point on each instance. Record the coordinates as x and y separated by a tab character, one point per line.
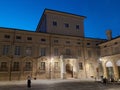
110	57
61	19
79	50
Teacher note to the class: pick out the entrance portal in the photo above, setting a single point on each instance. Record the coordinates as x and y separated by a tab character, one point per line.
69	71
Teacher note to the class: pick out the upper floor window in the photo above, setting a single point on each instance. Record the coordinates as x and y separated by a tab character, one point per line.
89	53
55	41
29	38
6	49
7	36
18	37
54	23
68	52
68	42
88	44
78	43
43	51
79	52
43	40
3	66
77	27
66	25
56	51
15	66
28	51
17	50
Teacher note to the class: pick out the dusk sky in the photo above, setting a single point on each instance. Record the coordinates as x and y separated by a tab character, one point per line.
25	14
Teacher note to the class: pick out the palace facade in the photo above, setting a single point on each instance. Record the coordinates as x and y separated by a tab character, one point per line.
57	49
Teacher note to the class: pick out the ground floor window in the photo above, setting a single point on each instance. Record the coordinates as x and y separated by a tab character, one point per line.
3	66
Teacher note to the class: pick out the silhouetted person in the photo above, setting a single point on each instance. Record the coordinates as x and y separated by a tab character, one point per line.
28	81
105	80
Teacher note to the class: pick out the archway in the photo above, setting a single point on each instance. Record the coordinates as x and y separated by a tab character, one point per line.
118	65
69	71
109	67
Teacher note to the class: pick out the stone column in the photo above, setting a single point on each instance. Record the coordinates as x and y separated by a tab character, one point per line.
62	68
115	69
75	69
104	70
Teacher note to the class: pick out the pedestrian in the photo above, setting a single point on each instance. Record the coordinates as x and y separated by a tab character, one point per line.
105	80
28	81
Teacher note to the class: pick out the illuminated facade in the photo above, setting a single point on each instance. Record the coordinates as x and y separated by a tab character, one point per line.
57	49
110	58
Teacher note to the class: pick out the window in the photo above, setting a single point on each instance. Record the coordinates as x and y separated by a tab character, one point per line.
55	41
28	66
54	23
80	66
88	44
18	37
77	27
7	36
79	52
29	38
78	43
42	65
43	40
43	51
66	25
68	52
68	42
3	66
29	51
89	53
15	66
56	65
6	49
56	51
17	50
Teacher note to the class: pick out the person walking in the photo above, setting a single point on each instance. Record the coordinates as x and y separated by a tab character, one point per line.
29	82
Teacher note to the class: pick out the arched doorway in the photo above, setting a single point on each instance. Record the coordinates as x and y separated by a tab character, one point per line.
69	71
109	67
118	65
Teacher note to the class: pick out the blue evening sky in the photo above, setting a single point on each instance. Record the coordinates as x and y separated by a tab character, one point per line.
25	14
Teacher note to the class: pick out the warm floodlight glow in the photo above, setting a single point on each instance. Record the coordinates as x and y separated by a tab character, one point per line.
100	59
51	60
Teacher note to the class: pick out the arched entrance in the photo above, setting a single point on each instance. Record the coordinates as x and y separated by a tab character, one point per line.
69	71
109	67
118	65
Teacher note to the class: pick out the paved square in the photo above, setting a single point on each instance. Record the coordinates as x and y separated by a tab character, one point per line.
59	85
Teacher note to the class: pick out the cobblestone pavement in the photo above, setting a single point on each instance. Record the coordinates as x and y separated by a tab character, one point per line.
59	85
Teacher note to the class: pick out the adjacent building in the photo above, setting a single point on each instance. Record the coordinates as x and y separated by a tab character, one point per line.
57	49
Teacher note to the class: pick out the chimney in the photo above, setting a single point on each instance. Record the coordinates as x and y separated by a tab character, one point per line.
109	34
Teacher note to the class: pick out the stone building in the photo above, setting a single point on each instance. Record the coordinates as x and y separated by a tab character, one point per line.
57	49
110	57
